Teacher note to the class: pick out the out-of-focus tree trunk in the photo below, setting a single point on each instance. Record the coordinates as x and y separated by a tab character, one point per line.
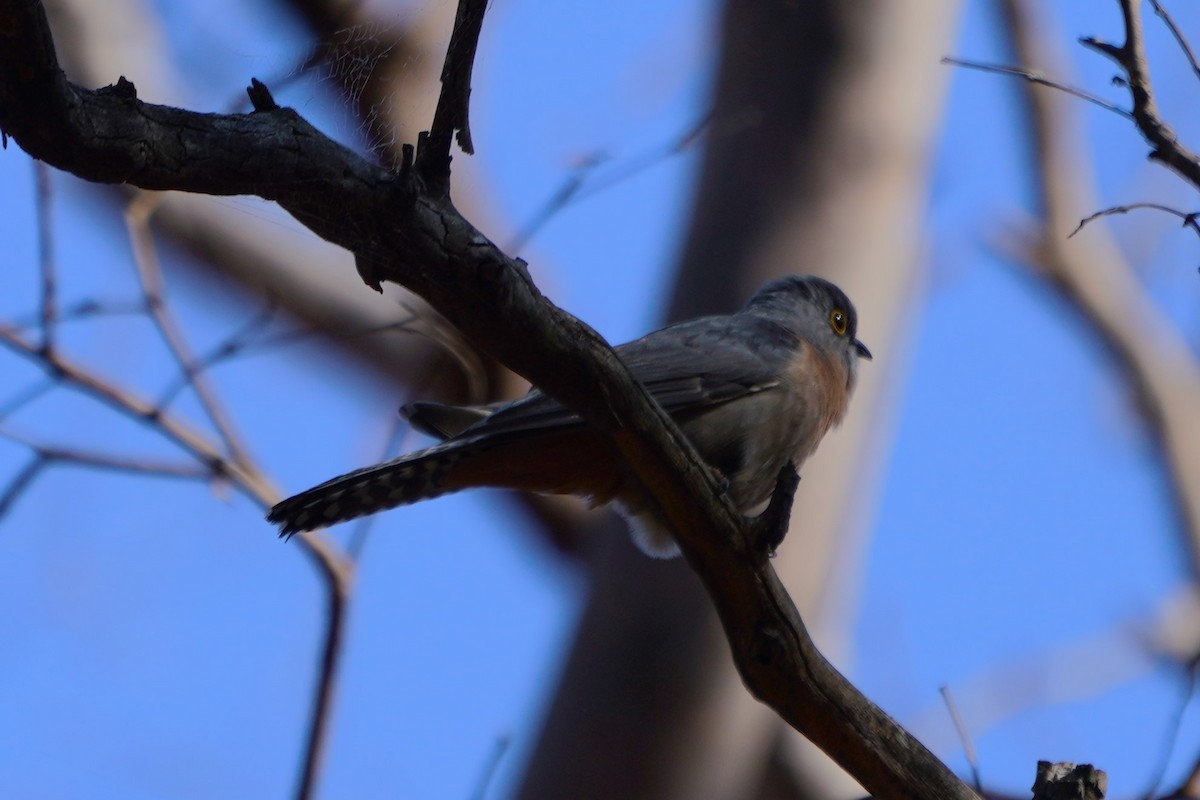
824	117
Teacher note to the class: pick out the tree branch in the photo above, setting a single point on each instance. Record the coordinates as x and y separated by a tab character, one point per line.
453	108
1091	274
1038	78
145	256
1180	39
335	570
402	232
1131	57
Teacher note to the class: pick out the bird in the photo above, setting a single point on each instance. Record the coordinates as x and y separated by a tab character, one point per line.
753	391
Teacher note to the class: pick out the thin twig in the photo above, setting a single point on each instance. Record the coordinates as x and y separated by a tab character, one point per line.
434	327
238	342
638	164
48	308
558	200
579	184
489	769
338	587
70	455
137	219
964	736
24	398
88	309
1189	217
82	310
396	439
1176	728
174	430
334	568
20	482
1178	34
1033	76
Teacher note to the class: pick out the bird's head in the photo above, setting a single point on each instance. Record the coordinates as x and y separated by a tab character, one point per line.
815	310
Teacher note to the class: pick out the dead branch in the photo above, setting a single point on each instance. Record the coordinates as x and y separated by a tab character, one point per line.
1131	57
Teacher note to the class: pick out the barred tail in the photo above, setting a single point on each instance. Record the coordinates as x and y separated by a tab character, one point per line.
416	476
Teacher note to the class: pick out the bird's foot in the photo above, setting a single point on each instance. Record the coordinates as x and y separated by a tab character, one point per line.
768	528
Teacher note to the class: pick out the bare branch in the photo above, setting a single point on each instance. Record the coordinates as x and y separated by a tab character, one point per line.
334	568
964	736
489	770
1189	217
1033	76
1175	729
236	343
145	256
337	570
396	438
1131	57
576	185
1178	34
138	466
20	482
244	476
453	108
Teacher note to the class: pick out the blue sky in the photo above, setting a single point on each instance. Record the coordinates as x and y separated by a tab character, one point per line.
159	642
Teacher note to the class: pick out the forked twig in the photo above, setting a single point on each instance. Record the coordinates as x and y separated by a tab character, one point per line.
332	565
580	183
145	255
1131	57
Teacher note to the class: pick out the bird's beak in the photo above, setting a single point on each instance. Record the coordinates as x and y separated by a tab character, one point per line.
863	352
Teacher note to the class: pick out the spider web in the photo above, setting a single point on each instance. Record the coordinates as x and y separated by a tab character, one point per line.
374	69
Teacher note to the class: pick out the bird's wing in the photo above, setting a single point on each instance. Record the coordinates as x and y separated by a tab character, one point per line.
686	367
442	420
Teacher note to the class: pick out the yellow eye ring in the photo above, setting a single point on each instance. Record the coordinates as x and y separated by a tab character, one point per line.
837	321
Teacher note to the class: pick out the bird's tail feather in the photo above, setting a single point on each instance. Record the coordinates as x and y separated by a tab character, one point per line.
413	477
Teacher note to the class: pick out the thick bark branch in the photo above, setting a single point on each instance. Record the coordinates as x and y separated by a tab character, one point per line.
402	232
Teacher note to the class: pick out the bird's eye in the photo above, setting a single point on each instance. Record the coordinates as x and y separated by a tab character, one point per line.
837	321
